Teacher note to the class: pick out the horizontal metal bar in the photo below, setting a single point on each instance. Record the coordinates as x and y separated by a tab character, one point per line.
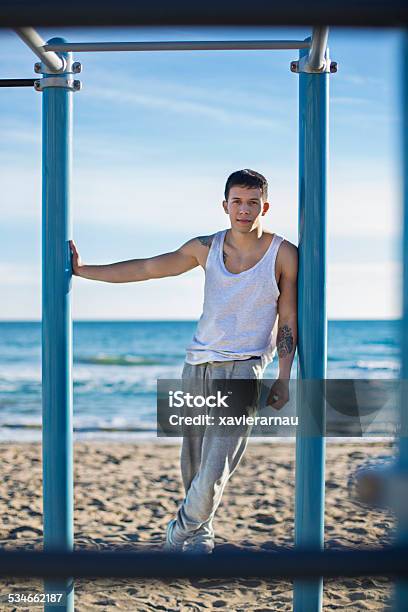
220	45
379	13
280	563
17	82
34	41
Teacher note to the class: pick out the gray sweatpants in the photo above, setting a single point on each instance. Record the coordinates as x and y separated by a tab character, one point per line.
208	459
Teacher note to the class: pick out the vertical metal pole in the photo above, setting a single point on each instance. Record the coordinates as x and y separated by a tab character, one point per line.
401	504
312	336
57	329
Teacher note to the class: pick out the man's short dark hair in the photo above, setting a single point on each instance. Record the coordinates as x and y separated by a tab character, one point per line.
247	178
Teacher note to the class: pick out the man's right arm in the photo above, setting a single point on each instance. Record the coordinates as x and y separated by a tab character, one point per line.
133	270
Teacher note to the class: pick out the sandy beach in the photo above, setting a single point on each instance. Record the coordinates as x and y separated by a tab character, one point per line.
125	493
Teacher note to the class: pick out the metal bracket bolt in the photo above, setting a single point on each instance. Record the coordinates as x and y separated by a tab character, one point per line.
76	67
294	67
73	85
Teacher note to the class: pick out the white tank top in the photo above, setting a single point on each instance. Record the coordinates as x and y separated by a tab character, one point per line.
239	311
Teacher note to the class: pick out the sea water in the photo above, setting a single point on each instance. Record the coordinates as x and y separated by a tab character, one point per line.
116	365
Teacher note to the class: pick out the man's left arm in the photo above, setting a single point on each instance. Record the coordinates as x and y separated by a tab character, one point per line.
287	324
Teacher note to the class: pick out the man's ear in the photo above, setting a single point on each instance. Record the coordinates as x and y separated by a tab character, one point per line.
265	208
225	206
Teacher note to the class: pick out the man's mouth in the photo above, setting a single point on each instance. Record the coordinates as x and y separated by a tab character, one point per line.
244	220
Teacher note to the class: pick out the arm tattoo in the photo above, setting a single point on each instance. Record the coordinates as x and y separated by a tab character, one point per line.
284	341
206	240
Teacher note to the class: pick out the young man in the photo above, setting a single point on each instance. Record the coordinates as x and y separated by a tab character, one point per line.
250	284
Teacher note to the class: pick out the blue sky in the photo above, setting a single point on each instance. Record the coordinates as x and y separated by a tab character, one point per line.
155	137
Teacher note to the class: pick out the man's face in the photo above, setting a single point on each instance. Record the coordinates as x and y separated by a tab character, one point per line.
245	207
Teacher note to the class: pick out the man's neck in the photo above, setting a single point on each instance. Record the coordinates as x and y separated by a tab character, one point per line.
245	241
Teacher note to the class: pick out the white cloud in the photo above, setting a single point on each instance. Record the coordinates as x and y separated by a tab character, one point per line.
178	297
187	198
171	298
366	291
350	100
178	105
369	290
363	79
22	183
14	133
358	205
19	274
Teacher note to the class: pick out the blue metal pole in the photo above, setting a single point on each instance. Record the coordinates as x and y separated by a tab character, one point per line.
57	326
401	504
312	324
